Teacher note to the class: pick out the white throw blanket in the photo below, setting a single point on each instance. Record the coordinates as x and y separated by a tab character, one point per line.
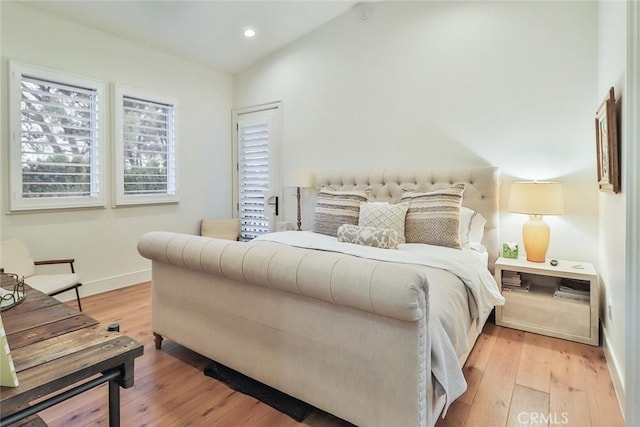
469	265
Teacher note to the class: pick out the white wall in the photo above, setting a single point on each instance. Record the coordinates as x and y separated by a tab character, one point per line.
612	51
438	84
103	241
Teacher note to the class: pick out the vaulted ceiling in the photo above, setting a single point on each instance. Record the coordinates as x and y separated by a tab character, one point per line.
207	32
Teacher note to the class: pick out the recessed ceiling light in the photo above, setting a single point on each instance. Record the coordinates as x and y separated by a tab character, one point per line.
249	33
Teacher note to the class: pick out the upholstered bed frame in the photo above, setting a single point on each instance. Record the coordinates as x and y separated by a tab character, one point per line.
348	335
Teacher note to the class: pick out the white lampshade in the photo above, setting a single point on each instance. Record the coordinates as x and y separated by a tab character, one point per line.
298	177
536	198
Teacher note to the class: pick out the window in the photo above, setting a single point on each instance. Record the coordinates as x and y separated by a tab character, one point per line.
145	148
57	139
256	180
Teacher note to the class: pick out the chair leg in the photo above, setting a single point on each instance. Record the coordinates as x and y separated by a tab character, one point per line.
78	298
68	289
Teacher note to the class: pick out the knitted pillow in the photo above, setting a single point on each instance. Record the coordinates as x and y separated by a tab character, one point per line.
383	238
334	208
433	217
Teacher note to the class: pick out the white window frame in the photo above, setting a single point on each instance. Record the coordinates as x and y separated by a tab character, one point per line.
19	203
120	198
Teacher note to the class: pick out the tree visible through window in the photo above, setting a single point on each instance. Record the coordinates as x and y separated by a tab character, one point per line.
55	148
58	132
146	147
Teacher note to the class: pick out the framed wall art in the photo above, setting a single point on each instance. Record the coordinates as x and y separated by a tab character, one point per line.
607	145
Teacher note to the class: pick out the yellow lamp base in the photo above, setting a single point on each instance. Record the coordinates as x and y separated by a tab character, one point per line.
535	236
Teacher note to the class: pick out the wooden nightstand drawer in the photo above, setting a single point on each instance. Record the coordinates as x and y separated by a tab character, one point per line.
532	306
538	309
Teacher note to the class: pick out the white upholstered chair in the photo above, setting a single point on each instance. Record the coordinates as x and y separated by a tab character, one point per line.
15	258
228	229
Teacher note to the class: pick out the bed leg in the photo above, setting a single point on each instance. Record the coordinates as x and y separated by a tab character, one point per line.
157	338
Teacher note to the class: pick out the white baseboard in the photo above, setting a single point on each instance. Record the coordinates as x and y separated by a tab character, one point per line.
614	371
108	284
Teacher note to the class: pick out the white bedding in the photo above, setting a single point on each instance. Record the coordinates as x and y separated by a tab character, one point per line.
468	264
459	301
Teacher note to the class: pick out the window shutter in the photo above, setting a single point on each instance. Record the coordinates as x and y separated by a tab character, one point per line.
149	148
253	179
58	139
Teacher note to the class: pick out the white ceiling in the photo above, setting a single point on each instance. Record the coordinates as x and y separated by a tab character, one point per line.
208	32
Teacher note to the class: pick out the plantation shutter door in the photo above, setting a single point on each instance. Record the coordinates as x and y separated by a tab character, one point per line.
253	176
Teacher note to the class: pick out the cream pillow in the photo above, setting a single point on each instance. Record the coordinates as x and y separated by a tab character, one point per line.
433	218
471	228
384	215
383	238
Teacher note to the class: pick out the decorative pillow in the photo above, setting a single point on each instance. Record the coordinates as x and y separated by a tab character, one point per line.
334	208
433	218
384	215
471	229
383	238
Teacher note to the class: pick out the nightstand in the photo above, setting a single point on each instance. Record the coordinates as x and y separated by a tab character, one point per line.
541	309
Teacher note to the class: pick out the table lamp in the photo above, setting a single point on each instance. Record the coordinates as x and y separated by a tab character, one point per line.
299	178
536	199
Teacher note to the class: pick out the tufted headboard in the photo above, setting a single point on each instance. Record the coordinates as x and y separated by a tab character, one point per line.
481	193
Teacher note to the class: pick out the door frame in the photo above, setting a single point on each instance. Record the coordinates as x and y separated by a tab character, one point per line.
631	124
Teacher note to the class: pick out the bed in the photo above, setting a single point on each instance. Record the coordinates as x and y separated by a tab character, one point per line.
355	330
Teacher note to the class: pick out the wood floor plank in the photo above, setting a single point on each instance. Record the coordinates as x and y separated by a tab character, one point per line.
478	360
529	408
171	390
490	406
568	394
172	408
534	370
603	404
90	409
183	384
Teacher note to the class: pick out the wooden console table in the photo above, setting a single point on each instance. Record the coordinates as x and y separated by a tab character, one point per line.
54	346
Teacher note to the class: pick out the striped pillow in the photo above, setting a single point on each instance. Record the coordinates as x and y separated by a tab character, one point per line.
433	218
334	208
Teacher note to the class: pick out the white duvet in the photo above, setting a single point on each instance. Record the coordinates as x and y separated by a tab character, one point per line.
449	322
468	264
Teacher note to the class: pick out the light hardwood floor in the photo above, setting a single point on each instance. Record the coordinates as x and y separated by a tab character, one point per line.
515	379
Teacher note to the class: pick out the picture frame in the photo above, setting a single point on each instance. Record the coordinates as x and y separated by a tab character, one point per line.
607	145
